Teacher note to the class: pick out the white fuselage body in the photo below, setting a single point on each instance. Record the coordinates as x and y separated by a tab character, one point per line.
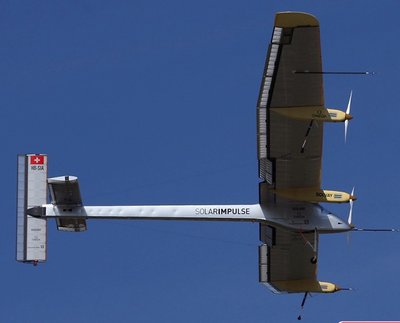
299	217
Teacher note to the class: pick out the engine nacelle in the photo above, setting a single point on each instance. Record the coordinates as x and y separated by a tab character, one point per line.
313	113
305	285
315	195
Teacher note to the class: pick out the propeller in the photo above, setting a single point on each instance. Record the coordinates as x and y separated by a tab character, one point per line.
348	116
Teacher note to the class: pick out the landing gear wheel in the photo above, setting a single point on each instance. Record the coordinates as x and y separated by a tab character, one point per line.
314	260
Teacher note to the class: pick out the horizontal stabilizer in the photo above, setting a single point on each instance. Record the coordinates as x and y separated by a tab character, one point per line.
31	192
71	225
64	190
65	194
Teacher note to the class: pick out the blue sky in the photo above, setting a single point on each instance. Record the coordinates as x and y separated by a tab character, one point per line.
153	102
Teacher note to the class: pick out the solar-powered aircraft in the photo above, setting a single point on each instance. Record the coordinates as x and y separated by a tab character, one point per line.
290	120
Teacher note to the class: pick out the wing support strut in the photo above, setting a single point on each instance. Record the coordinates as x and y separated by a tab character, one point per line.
306	136
314	246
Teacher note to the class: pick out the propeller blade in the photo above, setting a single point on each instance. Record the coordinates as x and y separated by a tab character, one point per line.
346	122
350	219
349	103
348	239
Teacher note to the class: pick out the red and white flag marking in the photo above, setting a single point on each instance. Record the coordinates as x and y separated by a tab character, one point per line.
37	160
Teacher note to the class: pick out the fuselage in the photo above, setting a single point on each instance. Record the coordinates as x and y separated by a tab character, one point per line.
296	217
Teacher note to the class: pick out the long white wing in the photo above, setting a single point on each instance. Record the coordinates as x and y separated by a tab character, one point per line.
285	159
289	147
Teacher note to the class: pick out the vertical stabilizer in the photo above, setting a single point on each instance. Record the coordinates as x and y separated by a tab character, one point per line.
31	192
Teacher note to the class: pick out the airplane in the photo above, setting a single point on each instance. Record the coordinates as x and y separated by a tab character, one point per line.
290	119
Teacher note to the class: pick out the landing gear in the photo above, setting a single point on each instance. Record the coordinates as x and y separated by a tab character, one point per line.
313	246
302	304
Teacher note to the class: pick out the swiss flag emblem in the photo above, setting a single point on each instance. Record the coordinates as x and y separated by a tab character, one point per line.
37	160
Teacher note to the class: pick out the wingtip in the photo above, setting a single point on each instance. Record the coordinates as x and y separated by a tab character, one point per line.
291	19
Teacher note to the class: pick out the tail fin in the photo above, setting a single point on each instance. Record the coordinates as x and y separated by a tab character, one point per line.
31	192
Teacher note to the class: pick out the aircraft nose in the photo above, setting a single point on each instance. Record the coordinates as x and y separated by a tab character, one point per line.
339	224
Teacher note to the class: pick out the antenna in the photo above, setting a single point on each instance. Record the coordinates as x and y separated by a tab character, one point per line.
333	72
376	230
